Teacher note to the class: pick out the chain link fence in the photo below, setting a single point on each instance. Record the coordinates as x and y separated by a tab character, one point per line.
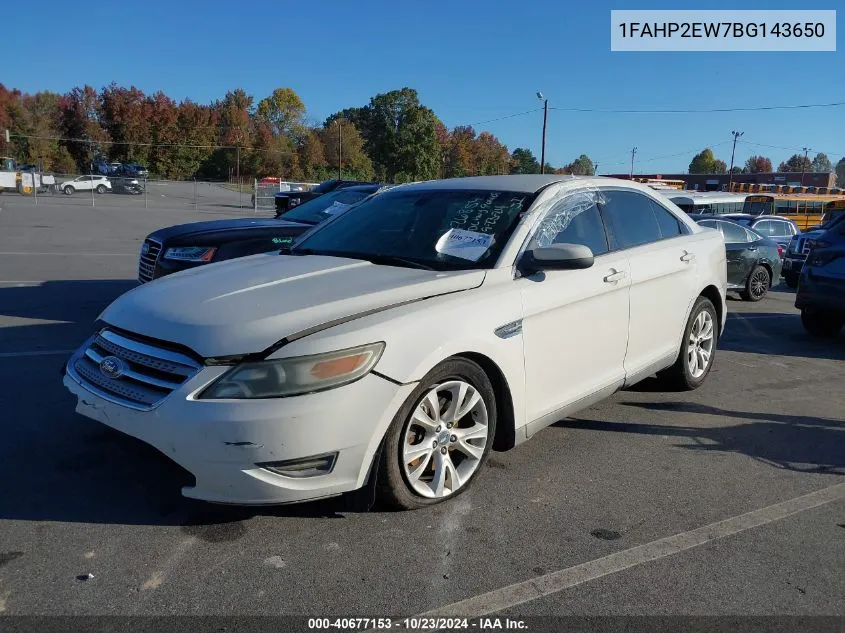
248	197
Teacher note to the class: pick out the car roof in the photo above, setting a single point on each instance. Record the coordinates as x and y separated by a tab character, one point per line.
367	187
519	183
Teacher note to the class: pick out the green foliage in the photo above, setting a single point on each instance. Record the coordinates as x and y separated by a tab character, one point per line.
840	173
523	162
822	164
796	163
706	163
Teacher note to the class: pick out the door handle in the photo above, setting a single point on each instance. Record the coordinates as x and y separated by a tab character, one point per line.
687	257
615	276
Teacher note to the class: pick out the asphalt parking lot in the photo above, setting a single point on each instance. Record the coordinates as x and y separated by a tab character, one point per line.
569	523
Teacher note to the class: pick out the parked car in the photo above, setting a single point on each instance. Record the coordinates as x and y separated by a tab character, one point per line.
176	248
100	184
800	245
132	170
777	228
753	261
821	289
286	200
127	184
398	341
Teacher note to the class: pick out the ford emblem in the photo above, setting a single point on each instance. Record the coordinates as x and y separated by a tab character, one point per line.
112	367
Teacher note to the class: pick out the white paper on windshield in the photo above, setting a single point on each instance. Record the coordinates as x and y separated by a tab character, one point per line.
337	207
469	245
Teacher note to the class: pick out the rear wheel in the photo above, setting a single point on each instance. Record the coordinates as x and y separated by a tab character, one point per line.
698	349
68	190
101	189
791	280
757	284
440	438
821	323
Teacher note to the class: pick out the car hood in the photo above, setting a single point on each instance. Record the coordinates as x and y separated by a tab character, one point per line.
217	226
245	306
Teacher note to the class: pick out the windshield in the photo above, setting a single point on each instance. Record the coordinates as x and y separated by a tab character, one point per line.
316	210
438	229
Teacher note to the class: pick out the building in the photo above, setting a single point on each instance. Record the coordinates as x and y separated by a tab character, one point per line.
719	182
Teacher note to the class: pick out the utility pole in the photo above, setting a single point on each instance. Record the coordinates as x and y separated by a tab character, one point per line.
736	135
633	153
804	164
240	204
596	170
545	119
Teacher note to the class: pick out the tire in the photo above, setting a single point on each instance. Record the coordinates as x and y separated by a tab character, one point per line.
820	323
396	485
757	284
683	376
791	281
101	189
68	190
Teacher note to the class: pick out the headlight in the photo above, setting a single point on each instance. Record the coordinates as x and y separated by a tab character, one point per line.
190	253
295	376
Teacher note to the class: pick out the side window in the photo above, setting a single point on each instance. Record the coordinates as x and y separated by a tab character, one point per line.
765	227
733	233
781	229
631	219
669	225
573	220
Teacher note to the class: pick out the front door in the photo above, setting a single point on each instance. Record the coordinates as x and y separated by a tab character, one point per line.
575	322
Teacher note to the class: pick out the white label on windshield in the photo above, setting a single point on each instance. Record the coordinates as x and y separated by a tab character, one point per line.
337	207
469	245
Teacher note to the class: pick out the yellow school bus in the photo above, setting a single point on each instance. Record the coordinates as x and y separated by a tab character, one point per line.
805	209
833	209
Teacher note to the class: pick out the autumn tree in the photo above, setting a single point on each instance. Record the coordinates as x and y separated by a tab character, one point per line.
796	163
125	116
79	120
822	164
460	157
284	112
758	165
491	156
706	163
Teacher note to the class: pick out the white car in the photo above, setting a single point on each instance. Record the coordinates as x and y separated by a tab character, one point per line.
100	184
396	343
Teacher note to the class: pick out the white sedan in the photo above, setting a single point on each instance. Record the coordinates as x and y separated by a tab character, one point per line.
394	345
100	184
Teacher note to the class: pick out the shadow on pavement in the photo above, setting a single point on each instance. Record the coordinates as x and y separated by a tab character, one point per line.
800	443
777	334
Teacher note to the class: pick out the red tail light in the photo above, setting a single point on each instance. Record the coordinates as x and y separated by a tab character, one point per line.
780	251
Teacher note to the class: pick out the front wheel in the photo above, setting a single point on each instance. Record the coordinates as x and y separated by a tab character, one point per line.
68	190
101	189
820	323
440	438
698	349
757	284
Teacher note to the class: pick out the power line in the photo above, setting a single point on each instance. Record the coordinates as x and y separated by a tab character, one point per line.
790	149
699	110
509	116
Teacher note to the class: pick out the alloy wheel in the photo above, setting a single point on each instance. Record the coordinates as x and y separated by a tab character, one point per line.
444	441
700	344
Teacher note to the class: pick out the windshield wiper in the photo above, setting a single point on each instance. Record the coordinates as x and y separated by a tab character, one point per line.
392	259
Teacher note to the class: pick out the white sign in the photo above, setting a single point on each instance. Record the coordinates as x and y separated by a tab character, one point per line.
469	245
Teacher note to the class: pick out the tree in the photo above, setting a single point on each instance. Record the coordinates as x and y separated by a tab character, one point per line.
125	116
840	173
343	142
284	111
581	166
706	163
758	165
524	162
736	169
400	135
822	164
460	158
312	156
491	156
796	163
79	120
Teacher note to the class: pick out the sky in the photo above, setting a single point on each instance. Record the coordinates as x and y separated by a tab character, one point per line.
470	62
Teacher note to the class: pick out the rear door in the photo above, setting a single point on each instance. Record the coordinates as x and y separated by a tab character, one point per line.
740	253
663	274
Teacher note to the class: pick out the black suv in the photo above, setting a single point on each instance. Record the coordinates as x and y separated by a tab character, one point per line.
287	200
821	288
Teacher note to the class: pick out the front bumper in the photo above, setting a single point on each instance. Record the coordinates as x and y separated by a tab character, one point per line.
220	441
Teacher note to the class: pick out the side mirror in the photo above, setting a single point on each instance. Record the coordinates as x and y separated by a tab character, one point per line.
556	257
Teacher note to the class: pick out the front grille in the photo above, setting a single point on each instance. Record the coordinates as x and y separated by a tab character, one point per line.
147	261
148	373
